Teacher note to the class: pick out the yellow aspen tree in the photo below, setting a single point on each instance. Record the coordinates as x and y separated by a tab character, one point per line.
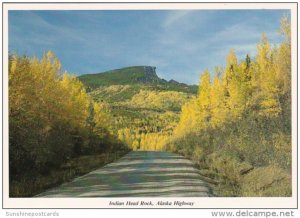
77	101
231	67
203	112
283	68
188	118
268	84
218	108
231	84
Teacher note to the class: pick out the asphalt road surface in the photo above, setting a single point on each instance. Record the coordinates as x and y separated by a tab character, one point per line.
138	174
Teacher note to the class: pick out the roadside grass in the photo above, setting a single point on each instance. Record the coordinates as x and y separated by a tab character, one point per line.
228	176
248	158
32	184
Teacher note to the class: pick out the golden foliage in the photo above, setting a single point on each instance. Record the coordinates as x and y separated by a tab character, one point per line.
239	126
49	112
164	100
262	84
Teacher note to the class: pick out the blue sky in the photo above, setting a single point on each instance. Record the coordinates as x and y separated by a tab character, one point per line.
180	43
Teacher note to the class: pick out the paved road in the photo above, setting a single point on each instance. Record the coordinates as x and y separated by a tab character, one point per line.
138	174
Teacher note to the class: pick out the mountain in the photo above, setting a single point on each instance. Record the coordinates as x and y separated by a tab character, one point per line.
143	108
135	75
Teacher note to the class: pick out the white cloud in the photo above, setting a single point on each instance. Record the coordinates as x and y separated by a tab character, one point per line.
174	17
44	33
238	31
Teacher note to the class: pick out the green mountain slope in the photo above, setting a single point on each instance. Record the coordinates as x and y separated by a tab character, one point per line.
137	76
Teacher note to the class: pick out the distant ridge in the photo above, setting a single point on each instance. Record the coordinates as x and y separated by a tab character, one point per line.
134	75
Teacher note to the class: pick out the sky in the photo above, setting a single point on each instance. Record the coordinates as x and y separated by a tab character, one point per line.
180	43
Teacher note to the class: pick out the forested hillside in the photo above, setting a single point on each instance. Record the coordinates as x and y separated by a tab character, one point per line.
144	108
238	128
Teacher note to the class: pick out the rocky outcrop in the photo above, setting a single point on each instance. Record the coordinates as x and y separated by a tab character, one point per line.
150	71
150	75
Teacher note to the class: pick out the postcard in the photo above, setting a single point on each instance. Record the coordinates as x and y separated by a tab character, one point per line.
150	105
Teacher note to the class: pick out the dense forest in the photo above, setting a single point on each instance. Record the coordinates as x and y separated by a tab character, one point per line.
238	128
53	124
235	126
